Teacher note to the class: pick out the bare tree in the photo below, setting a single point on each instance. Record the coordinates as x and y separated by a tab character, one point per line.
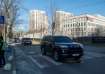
9	8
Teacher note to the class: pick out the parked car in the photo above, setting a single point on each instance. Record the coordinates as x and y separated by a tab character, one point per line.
61	47
26	41
16	40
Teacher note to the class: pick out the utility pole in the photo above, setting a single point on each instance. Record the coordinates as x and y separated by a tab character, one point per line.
52	16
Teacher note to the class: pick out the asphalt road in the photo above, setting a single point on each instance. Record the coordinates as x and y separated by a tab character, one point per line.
30	61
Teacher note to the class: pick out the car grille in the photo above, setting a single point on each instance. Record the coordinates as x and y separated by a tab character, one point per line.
72	50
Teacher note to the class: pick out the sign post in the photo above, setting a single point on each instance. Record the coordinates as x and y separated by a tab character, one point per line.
2	26
1	19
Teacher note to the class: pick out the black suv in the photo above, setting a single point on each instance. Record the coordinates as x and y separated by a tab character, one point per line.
26	41
61	47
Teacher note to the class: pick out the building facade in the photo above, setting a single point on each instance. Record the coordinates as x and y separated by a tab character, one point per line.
38	22
80	26
60	17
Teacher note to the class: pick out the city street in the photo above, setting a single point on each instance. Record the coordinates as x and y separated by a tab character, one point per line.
64	28
30	61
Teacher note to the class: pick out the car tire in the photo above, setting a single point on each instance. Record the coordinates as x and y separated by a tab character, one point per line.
56	56
43	51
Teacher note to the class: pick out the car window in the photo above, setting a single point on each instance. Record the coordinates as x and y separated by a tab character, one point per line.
62	39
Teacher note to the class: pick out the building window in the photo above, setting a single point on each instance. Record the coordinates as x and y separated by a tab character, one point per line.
73	25
79	24
68	29
84	24
68	25
64	25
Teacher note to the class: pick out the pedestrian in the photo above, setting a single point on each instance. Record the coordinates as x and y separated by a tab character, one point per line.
2	58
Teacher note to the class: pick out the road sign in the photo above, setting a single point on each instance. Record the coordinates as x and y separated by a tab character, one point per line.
1	19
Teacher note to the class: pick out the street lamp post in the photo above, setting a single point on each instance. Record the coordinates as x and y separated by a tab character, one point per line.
52	16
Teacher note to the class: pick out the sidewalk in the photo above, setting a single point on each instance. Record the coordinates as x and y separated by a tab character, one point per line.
7	69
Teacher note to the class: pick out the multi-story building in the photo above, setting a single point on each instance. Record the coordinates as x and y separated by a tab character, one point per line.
80	26
38	22
59	18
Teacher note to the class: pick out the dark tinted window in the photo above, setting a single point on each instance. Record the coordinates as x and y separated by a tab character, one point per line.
61	39
26	39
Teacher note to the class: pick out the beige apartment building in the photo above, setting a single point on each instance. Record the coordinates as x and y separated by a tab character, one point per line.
79	26
38	22
59	18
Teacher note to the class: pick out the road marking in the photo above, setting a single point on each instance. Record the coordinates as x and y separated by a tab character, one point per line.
51	60
13	44
90	55
37	63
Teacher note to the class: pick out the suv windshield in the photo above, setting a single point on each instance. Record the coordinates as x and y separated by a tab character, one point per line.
26	39
61	39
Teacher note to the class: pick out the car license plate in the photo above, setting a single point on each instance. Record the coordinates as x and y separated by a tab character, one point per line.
75	54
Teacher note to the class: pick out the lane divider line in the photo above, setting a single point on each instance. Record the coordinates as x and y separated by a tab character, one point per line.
51	60
37	63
